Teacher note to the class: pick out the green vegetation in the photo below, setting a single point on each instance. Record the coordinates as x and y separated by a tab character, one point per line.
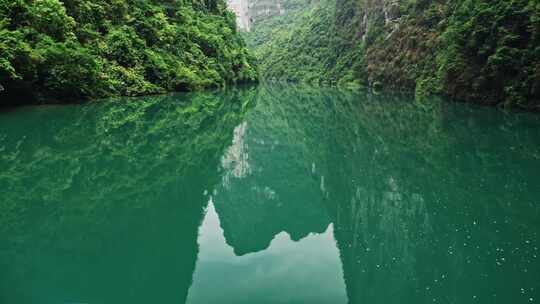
73	49
473	50
267	27
301	46
491	50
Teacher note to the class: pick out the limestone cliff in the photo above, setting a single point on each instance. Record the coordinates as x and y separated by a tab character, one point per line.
241	10
249	11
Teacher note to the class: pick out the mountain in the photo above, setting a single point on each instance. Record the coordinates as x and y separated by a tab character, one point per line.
471	50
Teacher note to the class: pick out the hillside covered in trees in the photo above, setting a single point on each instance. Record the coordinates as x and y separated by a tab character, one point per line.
78	49
473	50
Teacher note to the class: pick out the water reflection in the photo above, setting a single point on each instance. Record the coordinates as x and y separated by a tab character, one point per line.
431	202
308	195
101	203
268	184
435	202
287	271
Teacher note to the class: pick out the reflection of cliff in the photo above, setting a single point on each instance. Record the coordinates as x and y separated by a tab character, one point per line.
428	200
422	214
271	179
105	199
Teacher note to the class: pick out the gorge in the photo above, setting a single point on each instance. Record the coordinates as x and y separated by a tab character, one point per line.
269	151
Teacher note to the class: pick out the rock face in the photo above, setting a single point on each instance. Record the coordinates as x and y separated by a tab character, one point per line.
250	11
241	10
260	9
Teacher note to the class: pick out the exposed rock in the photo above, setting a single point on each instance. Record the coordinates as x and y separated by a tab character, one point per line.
241	10
391	11
250	11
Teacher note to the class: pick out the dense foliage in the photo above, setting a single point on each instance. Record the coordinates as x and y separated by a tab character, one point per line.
295	46
491	50
60	49
473	50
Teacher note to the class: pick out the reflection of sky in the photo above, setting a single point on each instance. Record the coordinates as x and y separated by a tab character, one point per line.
307	271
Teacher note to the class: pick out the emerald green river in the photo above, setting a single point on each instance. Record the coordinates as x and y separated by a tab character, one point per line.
272	194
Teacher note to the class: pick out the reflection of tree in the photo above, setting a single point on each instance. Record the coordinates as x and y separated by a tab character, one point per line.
428	200
91	200
424	197
408	191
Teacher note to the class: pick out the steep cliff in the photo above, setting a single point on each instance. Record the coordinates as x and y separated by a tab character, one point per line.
250	11
472	50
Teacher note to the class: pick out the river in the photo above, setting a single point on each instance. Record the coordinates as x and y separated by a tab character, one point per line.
270	194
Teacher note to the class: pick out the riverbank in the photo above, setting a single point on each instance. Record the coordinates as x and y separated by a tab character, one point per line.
53	50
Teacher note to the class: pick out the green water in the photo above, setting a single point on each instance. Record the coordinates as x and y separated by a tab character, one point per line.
276	194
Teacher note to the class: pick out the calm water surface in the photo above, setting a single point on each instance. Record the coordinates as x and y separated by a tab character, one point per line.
269	195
